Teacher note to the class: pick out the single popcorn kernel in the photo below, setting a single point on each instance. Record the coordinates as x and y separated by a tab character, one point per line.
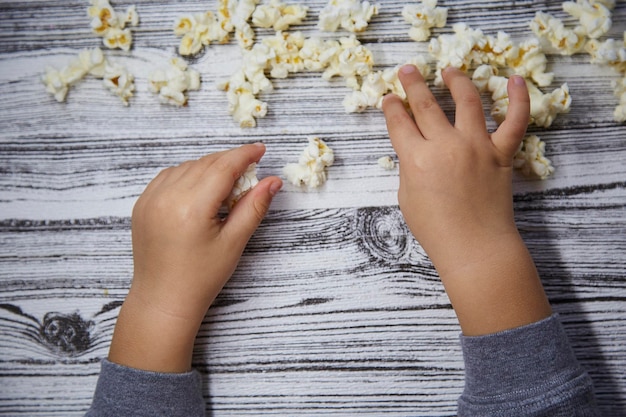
386	163
530	158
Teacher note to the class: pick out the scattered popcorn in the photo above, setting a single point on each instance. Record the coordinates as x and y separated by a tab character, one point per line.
377	84
278	15
89	62
594	18
201	29
111	26
119	81
556	36
423	17
197	31
530	159
387	163
467	49
243	184
310	171
172	82
351	15
284	53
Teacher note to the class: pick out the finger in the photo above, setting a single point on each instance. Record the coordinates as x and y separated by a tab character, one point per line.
469	114
216	174
245	217
429	117
511	132
402	129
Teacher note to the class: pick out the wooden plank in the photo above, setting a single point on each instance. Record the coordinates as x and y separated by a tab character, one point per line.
335	309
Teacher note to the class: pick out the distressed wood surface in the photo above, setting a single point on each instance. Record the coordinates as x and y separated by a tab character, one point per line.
335	309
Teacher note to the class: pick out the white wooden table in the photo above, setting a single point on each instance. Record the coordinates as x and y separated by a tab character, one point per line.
335	309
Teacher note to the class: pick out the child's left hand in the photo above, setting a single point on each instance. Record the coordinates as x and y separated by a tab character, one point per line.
184	253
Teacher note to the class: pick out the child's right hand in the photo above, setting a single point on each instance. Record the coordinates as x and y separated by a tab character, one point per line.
184	252
456	193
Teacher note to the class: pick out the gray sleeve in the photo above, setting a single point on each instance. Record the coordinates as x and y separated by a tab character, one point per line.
528	371
122	392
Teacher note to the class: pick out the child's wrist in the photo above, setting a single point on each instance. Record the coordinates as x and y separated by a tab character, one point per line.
151	339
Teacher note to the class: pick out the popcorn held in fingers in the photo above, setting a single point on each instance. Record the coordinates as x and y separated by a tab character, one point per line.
111	26
278	15
350	15
530	158
173	82
243	184
423	17
310	171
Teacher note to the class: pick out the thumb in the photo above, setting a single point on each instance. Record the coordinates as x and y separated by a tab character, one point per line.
511	132
245	217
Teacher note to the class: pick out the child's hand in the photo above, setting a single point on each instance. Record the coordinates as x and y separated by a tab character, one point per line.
184	253
456	193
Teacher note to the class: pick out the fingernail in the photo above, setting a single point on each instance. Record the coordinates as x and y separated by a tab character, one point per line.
408	69
518	80
275	187
259	144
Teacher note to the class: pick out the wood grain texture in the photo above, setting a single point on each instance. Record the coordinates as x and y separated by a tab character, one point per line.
335	309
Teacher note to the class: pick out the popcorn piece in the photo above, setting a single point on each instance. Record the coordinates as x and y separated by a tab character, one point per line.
423	17
55	84
173	82
531	160
529	61
242	102
620	91
594	18
278	15
310	171
386	163
556	36
351	15
352	60
111	26
377	84
243	184
544	108
284	53
609	52
119	81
